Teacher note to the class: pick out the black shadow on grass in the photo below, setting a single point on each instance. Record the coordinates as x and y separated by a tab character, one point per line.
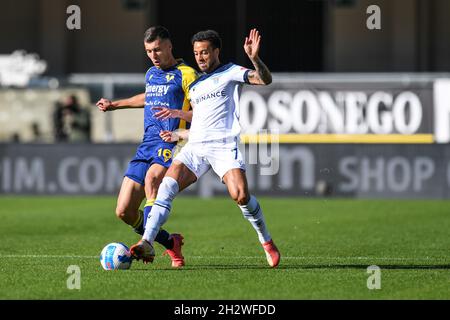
297	267
198	267
364	266
381	266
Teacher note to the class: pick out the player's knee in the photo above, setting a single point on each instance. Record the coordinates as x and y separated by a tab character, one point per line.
240	196
125	212
121	213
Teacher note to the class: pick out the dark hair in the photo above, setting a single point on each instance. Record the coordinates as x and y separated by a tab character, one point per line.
208	35
152	33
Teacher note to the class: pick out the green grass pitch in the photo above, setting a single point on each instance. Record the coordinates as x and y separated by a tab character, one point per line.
326	247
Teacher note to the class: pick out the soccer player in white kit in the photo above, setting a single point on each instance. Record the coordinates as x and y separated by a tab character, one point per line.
213	140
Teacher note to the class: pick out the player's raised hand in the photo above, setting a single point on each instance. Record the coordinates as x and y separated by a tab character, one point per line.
104	104
251	44
169	136
163	113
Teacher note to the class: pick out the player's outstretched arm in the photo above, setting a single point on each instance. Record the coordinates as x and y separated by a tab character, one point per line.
261	75
174	136
137	101
163	113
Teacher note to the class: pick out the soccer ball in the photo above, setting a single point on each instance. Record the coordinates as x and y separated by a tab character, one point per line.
115	256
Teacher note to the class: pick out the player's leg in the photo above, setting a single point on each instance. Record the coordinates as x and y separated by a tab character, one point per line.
237	185
172	242
227	161
176	179
153	179
186	168
129	200
132	192
130	197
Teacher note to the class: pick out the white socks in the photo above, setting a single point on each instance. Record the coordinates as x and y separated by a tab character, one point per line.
253	213
161	208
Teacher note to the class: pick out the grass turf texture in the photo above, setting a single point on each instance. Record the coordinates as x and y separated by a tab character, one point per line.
327	246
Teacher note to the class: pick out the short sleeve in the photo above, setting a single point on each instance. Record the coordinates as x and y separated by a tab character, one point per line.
189	75
240	74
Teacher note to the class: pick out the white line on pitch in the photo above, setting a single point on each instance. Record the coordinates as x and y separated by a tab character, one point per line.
45	256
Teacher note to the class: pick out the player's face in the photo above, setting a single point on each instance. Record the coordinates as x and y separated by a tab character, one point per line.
160	52
206	56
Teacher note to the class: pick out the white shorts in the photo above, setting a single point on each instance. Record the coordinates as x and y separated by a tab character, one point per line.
221	156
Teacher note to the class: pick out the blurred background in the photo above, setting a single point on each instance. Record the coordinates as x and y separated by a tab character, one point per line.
359	106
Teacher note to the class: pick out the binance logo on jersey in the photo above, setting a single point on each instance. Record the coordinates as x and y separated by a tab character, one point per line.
170	77
216	94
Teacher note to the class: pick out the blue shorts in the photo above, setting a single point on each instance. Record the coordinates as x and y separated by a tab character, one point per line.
147	154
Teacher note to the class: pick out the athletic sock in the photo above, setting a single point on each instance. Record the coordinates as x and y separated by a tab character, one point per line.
147	208
253	213
138	226
161	208
163	237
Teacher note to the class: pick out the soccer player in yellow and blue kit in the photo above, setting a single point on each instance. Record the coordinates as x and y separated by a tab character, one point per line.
166	107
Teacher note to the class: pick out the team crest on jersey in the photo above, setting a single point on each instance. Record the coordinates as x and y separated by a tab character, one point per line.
169	77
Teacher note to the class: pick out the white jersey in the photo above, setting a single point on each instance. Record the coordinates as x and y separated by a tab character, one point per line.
215	101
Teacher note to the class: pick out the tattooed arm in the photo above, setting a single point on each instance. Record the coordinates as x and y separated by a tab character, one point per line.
261	74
